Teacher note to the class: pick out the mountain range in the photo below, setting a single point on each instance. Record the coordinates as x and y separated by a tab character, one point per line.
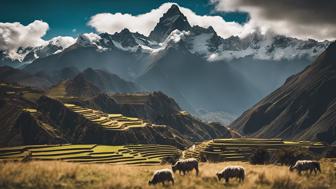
205	73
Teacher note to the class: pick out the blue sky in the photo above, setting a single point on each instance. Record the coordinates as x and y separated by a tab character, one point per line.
70	17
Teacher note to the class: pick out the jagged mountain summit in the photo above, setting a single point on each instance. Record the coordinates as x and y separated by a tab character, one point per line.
304	108
172	20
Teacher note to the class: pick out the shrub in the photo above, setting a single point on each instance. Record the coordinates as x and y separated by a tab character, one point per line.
171	159
259	156
289	156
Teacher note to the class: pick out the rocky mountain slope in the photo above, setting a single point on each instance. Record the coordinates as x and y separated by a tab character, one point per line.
304	108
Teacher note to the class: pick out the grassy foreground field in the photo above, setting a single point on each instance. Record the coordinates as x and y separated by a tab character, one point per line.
58	174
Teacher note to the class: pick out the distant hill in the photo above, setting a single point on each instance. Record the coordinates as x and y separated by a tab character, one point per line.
12	75
90	83
304	108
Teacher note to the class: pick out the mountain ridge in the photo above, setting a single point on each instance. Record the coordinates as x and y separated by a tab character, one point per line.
303	108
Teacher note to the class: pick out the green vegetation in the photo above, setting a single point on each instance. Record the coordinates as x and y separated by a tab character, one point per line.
240	149
116	122
129	154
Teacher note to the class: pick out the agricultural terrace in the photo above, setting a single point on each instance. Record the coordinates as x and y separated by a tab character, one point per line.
239	149
116	122
91	153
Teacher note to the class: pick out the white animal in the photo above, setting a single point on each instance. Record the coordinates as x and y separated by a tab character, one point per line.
306	165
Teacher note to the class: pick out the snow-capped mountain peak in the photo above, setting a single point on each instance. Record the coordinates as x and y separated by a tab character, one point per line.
173	19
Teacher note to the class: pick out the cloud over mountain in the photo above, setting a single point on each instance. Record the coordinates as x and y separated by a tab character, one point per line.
295	18
15	35
144	23
299	19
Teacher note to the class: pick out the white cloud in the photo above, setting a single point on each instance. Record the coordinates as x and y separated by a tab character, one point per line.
15	35
295	18
145	23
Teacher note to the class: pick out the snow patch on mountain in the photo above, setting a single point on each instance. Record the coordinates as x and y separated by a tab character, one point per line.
62	41
174	37
199	44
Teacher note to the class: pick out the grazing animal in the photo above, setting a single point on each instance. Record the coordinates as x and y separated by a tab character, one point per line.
231	172
161	176
186	165
306	165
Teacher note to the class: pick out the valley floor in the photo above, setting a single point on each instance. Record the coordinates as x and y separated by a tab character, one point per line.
57	174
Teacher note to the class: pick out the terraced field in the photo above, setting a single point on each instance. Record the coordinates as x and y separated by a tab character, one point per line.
239	149
130	154
116	122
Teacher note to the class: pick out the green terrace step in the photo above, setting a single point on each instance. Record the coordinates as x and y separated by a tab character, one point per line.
22	148
60	153
101	159
115	161
246	139
64	147
10	153
88	153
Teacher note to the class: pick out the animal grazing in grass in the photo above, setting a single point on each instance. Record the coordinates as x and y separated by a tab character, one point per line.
231	172
161	176
306	165
186	165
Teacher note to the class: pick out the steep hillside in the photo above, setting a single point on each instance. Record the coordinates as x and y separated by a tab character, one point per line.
303	108
21	123
159	109
28	117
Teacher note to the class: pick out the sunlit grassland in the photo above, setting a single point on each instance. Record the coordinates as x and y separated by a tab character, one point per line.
57	174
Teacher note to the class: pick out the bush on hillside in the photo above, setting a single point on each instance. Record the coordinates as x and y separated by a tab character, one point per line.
289	156
171	159
260	156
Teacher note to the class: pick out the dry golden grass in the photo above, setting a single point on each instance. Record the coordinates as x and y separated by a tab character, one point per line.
53	174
